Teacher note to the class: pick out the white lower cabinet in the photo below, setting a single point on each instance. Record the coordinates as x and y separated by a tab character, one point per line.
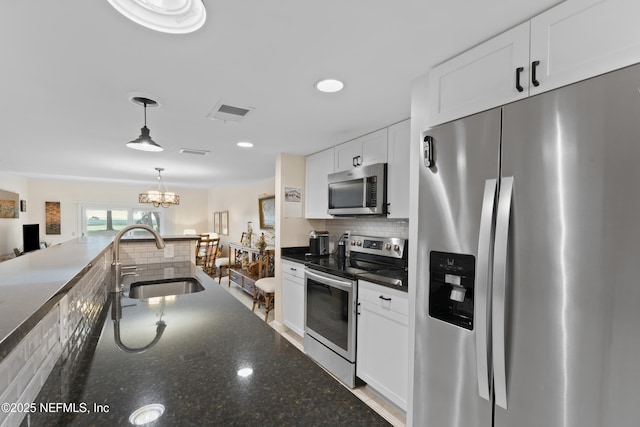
382	359
293	296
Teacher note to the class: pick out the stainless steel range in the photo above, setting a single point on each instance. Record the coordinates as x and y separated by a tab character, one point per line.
331	296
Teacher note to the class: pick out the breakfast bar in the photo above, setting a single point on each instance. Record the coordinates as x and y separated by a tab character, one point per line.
202	357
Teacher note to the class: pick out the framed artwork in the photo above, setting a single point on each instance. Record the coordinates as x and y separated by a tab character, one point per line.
9	204
23	205
216	222
52	217
224	223
267	210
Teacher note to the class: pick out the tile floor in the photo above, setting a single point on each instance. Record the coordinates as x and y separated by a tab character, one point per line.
386	409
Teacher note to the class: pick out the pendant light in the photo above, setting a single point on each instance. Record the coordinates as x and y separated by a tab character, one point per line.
160	197
144	141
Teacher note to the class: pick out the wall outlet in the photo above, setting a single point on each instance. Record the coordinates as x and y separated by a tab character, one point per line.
168	250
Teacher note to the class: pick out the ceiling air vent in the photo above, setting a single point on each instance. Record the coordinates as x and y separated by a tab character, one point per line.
194	151
228	113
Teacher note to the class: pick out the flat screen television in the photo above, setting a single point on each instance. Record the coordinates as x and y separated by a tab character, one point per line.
30	237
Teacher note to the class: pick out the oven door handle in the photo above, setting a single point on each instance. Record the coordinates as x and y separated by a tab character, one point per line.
336	283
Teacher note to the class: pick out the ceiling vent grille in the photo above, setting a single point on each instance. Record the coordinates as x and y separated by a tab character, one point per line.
228	113
194	151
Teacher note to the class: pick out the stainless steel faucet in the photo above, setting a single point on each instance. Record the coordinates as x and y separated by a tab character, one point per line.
116	266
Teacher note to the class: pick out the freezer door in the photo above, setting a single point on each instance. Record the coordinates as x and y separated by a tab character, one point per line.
572	294
465	155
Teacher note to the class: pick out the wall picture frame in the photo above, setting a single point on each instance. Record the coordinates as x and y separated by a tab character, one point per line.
9	204
52	217
216	222
224	223
267	210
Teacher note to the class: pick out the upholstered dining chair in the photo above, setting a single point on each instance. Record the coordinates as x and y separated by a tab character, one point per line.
264	289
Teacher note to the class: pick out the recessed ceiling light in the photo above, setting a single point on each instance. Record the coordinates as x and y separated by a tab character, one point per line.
169	16
245	144
329	85
146	414
245	372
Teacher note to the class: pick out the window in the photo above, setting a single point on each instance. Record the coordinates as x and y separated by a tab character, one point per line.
109	220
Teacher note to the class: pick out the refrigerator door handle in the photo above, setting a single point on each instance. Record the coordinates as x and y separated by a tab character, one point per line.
499	291
482	287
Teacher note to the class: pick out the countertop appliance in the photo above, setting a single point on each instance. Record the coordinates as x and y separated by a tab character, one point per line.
527	291
358	191
331	298
319	243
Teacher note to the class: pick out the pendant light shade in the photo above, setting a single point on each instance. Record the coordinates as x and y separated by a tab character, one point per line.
159	197
144	141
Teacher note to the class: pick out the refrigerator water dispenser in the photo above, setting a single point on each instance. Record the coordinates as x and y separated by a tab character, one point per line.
451	288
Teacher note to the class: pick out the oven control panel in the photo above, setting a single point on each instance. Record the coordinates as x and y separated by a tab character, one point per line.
386	246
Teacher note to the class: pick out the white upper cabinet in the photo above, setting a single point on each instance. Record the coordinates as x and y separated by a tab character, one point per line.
577	40
389	145
572	41
365	150
481	78
319	166
398	169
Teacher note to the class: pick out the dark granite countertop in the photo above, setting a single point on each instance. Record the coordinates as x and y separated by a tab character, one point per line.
193	369
295	254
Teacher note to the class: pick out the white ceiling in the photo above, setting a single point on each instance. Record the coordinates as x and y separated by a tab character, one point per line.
68	69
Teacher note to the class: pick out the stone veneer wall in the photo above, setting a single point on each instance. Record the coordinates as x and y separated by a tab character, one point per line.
63	332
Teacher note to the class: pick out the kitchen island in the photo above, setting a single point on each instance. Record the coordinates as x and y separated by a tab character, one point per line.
195	346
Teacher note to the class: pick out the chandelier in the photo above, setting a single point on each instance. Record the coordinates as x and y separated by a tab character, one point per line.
160	197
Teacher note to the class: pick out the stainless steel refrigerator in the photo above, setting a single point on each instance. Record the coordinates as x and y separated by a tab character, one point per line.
528	293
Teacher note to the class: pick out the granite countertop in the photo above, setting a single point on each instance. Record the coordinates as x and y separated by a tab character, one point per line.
295	254
31	284
193	367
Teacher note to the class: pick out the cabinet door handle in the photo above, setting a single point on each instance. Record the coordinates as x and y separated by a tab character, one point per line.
354	161
519	70
293	269
534	80
384	298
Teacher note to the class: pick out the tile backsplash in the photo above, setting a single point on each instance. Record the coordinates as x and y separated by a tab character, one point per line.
367	226
27	367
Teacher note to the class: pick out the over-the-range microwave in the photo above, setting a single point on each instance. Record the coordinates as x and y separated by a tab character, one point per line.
359	191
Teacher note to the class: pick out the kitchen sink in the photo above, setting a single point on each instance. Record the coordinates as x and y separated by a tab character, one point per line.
163	288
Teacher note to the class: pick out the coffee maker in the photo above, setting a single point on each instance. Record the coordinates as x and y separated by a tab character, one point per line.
319	243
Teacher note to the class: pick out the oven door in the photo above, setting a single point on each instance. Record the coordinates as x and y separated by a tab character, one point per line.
330	309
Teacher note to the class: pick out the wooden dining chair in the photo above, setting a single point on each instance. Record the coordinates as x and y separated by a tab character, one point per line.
212	251
201	249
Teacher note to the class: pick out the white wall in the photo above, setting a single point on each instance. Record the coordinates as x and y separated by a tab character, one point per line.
242	204
292	230
191	213
11	228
